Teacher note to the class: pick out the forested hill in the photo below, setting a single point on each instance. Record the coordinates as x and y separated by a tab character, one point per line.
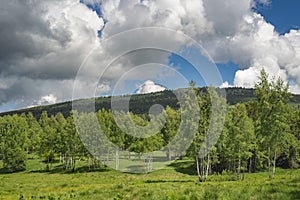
142	102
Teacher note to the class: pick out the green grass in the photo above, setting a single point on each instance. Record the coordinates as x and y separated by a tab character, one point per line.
136	163
177	181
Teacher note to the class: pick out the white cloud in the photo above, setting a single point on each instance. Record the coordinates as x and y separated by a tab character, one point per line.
295	89
263	48
41	48
104	88
228	30
226	85
149	87
48	99
44	42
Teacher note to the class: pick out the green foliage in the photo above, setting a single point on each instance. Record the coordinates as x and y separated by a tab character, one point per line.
255	135
13	132
238	140
272	124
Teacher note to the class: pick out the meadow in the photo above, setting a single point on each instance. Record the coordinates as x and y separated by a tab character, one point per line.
176	181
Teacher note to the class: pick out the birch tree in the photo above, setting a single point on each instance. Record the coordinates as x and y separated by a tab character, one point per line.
272	123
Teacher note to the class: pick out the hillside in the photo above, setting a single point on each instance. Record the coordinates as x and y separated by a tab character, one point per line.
140	103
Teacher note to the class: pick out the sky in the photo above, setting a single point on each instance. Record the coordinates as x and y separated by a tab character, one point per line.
58	50
284	15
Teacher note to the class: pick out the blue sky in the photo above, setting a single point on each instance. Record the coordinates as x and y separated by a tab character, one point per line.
42	45
283	14
227	70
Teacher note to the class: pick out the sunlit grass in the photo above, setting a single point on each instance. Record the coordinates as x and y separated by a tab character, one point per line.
177	181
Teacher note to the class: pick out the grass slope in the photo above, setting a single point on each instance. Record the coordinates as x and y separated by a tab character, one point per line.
177	181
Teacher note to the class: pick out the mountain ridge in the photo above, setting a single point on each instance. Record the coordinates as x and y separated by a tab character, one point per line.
141	103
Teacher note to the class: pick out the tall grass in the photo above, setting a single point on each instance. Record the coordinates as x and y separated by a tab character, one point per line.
177	181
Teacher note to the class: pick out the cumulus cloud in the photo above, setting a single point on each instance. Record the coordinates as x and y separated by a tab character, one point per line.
43	43
46	39
228	30
149	87
226	85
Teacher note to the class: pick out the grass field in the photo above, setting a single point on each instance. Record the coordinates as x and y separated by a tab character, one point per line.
177	181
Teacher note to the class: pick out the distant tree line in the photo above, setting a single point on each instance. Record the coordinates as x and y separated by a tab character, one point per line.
140	104
257	135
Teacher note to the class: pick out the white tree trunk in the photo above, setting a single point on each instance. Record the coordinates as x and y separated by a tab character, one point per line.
117	159
207	166
269	162
274	163
239	166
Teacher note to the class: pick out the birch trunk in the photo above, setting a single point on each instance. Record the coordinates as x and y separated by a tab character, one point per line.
269	163
239	166
169	154
274	164
117	159
197	165
275	156
207	166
